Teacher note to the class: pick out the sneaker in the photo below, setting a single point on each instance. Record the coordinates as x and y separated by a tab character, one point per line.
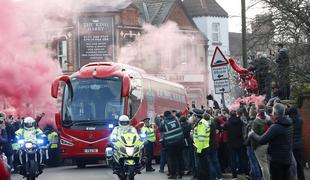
161	171
150	170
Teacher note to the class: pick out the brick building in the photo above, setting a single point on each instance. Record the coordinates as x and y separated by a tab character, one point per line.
98	32
304	103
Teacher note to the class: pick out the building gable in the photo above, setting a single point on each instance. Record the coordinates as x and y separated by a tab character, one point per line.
196	8
178	14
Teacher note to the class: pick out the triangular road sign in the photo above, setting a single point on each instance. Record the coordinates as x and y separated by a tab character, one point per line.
218	58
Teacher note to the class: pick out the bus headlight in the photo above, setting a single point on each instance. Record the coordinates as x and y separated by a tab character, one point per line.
66	143
111	126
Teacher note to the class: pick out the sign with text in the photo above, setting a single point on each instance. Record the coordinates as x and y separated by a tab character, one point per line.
220	72
96	39
222	86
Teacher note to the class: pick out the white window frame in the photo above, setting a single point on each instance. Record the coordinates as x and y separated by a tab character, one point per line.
62	55
216	32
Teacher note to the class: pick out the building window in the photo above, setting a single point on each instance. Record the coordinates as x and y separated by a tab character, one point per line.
62	53
216	32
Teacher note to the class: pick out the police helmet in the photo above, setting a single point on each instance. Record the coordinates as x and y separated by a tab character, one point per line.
29	123
123	120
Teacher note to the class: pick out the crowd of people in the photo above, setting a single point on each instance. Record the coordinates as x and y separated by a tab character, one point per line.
257	141
12	129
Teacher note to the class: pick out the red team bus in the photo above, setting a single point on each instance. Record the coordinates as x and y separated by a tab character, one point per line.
93	98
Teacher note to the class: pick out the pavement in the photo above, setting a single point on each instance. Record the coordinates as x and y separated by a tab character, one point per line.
98	172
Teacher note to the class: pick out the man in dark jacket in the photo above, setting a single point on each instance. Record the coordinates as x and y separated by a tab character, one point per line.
11	136
297	141
163	151
262	68
223	152
235	142
187	144
3	137
173	140
283	63
214	164
279	137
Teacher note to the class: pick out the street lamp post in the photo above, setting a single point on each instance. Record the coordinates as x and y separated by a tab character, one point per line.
244	47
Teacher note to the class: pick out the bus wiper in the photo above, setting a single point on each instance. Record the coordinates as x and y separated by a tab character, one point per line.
84	122
67	123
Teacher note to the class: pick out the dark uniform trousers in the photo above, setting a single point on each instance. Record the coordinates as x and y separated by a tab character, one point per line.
149	154
175	159
202	165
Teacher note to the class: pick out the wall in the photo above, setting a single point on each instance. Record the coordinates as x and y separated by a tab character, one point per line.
305	114
204	24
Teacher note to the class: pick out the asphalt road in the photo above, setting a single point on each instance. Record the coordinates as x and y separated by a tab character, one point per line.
91	173
102	173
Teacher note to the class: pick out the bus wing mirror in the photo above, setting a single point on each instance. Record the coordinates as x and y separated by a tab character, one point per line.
126	86
57	120
55	85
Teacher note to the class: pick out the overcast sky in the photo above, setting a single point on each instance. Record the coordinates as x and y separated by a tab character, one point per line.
233	8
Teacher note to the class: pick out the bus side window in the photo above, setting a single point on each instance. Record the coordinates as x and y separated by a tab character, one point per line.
135	97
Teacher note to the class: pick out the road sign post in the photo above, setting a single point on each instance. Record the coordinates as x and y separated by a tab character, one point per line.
220	74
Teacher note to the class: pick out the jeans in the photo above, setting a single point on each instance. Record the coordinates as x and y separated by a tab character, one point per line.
268	81
187	159
163	159
298	153
214	165
223	156
261	156
254	165
238	161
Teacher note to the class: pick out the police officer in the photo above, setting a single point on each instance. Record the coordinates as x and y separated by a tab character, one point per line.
123	127
53	140
173	140
30	132
149	132
201	138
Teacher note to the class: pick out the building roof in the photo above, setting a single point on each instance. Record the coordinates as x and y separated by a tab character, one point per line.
155	11
197	8
97	6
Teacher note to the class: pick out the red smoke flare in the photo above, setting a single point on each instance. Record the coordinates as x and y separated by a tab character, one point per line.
26	70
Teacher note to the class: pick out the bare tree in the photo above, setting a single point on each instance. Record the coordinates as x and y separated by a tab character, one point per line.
288	22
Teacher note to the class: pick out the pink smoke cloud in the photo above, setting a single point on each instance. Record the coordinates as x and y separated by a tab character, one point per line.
26	69
258	100
164	47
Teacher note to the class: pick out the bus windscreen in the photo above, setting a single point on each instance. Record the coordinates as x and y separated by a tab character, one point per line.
93	100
